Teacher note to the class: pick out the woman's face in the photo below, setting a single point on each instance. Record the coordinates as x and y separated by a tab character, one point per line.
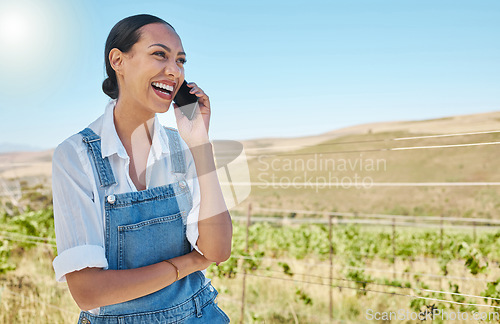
153	70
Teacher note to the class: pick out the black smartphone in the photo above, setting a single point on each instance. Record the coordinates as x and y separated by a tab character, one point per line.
186	101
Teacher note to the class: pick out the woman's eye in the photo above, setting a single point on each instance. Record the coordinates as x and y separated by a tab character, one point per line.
162	54
182	61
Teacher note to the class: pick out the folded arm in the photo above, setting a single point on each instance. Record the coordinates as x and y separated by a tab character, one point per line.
95	287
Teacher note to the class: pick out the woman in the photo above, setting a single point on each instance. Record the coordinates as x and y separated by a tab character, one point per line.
138	208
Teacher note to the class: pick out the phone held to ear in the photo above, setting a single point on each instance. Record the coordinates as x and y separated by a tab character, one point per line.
186	101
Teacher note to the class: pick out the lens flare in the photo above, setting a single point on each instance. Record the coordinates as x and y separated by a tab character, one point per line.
13	29
27	38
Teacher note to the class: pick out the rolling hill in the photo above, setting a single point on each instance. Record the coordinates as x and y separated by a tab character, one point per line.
288	168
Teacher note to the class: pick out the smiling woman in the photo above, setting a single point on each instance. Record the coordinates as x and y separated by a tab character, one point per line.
138	209
142	61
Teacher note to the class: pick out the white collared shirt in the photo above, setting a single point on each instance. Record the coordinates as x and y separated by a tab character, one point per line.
79	200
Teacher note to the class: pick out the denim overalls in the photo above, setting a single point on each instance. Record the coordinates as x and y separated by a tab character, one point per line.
146	227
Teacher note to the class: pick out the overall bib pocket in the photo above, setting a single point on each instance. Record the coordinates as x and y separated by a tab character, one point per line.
150	241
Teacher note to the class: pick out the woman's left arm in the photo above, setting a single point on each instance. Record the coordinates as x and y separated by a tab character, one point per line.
214	221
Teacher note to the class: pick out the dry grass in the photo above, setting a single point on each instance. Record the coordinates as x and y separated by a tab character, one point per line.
30	294
458	164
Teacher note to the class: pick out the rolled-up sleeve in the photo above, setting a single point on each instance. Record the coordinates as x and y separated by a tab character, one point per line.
194	186
77	216
192	219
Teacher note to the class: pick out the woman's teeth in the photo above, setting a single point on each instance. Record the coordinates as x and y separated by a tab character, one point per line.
163	86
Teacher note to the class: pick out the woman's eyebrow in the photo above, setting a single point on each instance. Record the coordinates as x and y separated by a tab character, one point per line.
167	48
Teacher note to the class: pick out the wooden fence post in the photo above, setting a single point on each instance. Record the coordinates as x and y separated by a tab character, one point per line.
441	237
394	248
242	313
330	241
441	240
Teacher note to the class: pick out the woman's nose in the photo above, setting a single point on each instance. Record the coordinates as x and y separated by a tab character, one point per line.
173	69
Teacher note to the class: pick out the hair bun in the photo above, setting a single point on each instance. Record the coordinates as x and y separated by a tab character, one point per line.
110	88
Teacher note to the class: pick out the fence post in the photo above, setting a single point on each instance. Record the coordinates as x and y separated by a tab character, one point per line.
336	224
474	231
242	313
441	235
394	248
330	241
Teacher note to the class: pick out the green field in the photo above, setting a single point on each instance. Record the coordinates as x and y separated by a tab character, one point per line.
288	277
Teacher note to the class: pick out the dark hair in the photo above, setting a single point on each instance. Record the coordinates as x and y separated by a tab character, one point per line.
123	36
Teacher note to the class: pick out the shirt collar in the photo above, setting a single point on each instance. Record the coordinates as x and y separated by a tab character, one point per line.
111	143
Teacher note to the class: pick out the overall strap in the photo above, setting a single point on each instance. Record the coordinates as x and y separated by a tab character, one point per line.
176	153
103	166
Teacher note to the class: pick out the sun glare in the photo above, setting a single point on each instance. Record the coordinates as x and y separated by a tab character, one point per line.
13	29
21	23
26	37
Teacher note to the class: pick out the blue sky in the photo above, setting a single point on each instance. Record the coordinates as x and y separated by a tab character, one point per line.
271	69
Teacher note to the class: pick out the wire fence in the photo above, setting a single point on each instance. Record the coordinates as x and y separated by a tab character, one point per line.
41	241
385	271
386	149
381	284
394	221
383	216
349	185
374	140
375	291
470	223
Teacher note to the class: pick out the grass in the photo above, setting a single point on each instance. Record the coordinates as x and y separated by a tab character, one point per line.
30	294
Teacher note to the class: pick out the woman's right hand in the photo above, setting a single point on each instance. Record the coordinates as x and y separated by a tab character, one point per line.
194	132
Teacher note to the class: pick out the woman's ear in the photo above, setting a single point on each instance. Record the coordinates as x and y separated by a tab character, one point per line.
116	60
